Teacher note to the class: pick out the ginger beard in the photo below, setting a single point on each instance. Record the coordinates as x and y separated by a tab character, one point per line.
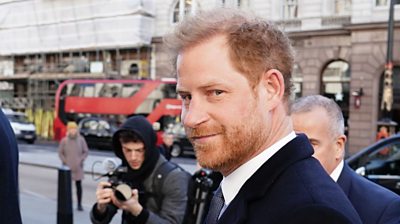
234	145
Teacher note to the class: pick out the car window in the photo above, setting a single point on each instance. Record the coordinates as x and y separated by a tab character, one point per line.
17	118
103	125
177	129
389	152
91	125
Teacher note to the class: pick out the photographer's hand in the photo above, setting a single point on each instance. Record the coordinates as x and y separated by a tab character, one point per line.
132	205
103	195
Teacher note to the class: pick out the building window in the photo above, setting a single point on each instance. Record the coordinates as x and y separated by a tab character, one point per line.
342	7
186	8
290	9
381	2
336	85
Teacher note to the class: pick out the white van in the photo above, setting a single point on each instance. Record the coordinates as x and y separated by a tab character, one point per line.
23	129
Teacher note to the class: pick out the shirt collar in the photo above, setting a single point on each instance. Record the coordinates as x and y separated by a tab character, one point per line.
232	183
337	171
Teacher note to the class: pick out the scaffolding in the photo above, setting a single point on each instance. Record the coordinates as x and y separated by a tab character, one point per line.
31	27
46	42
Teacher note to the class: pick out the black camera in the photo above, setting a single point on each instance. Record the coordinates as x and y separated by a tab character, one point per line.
122	190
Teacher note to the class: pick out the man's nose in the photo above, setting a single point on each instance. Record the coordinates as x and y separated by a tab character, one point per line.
134	155
195	114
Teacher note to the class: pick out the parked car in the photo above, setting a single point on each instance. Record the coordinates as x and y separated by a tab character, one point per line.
23	129
97	132
380	162
181	145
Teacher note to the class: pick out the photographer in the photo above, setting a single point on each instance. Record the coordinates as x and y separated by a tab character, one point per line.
135	144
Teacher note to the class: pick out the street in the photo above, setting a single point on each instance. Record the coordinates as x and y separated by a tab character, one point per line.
38	175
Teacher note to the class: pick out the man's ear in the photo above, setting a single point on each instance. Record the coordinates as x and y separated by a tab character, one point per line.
340	146
274	84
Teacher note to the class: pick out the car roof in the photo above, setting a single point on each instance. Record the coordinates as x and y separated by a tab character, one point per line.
8	111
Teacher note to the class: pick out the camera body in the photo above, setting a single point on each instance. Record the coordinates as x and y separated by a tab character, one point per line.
122	190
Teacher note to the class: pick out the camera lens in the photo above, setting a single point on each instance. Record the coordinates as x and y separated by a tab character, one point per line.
123	192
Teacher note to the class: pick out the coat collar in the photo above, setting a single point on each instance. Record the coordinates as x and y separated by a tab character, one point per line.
257	185
344	180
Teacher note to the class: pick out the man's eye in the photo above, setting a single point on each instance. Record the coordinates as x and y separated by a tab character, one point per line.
215	92
186	97
218	92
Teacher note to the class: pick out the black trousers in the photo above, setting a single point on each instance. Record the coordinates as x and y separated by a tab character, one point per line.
78	185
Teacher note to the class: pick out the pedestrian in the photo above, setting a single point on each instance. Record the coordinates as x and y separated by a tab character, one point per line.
233	76
152	201
382	134
322	121
73	151
9	193
166	146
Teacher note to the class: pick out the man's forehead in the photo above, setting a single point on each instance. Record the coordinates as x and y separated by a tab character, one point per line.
133	145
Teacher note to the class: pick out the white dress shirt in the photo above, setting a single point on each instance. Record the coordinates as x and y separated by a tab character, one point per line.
337	171
232	183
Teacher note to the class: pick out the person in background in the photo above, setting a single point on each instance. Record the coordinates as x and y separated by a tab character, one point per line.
166	146
9	195
135	144
234	79
322	121
73	151
382	134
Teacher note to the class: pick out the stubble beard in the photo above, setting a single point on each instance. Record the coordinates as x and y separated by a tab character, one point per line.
234	147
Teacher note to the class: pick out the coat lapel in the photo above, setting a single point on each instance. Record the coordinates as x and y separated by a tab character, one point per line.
344	180
259	183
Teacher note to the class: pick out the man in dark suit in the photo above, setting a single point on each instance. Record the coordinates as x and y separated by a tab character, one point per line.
322	121
233	75
9	199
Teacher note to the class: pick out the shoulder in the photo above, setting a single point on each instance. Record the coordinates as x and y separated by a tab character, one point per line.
367	189
315	188
171	170
372	198
63	140
391	212
180	172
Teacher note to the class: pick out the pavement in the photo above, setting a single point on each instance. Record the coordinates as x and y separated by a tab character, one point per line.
38	209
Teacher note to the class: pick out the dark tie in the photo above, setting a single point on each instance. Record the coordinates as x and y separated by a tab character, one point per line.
217	203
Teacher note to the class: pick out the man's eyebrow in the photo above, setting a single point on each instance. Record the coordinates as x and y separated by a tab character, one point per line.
202	87
181	91
313	140
134	148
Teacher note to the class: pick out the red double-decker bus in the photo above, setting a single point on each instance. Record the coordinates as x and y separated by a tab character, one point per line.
157	100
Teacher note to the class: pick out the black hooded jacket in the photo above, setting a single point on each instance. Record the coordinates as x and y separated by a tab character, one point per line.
174	190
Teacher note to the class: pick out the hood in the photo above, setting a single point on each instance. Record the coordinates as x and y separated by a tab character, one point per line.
141	127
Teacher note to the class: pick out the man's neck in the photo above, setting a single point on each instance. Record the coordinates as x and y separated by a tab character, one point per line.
337	171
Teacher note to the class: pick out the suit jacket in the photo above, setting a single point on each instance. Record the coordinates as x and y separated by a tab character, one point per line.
374	204
9	198
291	187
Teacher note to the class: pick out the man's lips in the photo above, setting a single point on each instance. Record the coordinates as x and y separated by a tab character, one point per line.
134	164
202	138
